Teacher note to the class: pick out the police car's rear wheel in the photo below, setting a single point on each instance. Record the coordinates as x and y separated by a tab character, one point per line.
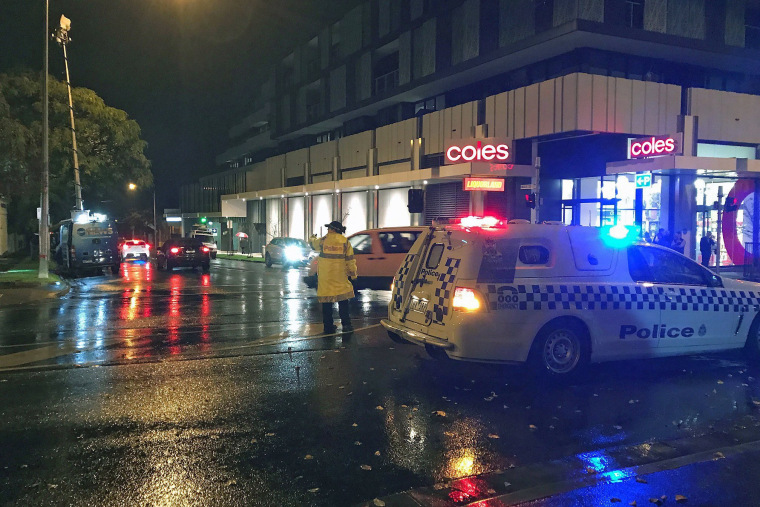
560	349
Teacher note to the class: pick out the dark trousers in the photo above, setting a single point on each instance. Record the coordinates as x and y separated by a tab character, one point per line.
327	314
706	259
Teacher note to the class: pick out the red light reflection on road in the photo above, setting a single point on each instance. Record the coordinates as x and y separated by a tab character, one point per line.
175	285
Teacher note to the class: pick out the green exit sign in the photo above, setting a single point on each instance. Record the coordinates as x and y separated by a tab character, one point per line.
643	180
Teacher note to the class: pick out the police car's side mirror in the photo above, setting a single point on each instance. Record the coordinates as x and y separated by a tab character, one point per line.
714	281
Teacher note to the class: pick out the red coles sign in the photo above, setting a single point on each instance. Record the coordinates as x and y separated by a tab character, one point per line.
486	184
654	146
478	150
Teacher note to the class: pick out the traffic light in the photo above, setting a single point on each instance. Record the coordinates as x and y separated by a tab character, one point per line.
731	205
203	220
530	200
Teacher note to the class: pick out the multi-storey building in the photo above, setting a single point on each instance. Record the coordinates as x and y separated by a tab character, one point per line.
639	112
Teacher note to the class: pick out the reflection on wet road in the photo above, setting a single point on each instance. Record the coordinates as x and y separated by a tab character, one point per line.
182	388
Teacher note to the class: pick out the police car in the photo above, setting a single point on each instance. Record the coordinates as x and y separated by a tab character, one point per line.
561	296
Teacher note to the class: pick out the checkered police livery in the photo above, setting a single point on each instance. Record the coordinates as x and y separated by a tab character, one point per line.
622	297
444	289
399	281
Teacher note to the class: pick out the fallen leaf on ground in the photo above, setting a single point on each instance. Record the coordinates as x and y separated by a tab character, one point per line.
493	435
590	470
656	501
366	467
379	407
357	443
354	425
681	498
415	409
438	486
231	482
439	413
719	455
378	503
618	427
269	435
253	440
52	486
313	490
720	382
308	456
377	453
633	503
404	406
532	427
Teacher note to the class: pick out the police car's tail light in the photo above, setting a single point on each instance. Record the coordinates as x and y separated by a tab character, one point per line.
174	250
466	300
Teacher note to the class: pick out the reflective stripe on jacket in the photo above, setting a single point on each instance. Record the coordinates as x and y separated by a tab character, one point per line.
336	264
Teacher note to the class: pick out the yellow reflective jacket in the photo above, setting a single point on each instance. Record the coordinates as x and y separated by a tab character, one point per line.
336	264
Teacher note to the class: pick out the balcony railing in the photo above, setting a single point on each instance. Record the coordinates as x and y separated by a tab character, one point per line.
386	82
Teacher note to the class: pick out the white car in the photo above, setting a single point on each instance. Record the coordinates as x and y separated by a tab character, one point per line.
378	254
561	297
134	249
207	237
287	252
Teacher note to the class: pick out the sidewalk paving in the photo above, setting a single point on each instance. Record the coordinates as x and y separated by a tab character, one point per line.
719	468
18	294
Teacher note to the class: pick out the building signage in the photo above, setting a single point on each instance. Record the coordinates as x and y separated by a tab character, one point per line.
655	146
497	151
485	184
643	180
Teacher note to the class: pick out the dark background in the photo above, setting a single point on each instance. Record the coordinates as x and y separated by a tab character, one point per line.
185	70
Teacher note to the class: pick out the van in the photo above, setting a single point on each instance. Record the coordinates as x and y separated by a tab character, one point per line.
87	244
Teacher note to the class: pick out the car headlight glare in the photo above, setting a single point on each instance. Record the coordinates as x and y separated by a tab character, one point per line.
293	253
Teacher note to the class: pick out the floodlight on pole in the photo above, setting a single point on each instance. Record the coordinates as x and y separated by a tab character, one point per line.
62	37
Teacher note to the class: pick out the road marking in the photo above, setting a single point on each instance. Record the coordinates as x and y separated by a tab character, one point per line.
35	355
284	338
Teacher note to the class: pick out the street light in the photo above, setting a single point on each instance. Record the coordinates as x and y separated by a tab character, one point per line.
132	186
44	247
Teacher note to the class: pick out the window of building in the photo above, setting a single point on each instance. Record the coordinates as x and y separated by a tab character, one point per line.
386	73
634	13
544	15
752	28
430	105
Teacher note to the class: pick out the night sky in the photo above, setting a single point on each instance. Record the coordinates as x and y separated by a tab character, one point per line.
186	70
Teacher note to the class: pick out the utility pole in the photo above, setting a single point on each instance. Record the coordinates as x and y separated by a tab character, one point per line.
62	37
44	226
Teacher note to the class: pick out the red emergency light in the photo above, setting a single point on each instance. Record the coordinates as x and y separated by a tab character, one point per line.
481	222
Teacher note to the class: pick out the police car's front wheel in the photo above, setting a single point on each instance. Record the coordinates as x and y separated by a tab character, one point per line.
560	349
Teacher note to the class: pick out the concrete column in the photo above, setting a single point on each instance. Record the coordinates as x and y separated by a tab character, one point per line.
418	150
683	207
536	181
308	212
372	211
372	167
477	203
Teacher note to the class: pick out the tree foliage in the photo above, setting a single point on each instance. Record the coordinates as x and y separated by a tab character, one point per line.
111	152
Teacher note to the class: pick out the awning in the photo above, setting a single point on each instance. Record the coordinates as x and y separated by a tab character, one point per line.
734	167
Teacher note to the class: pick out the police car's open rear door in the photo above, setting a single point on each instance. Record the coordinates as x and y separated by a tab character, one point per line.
424	284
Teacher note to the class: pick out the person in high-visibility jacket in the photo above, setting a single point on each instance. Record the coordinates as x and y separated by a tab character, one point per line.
336	267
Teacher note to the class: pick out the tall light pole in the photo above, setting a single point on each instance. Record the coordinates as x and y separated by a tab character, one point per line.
132	186
44	226
62	37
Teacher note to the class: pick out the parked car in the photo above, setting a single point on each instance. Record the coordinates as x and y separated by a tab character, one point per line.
560	297
183	252
133	249
88	244
288	252
378	254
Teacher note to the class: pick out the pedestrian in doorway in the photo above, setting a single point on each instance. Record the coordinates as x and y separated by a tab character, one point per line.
679	242
335	270
659	238
706	248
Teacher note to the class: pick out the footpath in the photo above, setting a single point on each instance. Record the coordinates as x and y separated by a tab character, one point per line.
20	284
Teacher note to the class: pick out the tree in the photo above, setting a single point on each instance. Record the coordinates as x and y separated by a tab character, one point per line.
111	152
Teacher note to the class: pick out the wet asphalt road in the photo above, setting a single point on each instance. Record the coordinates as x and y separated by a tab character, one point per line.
179	388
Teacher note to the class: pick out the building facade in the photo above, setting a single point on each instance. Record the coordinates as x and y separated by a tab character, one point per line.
585	94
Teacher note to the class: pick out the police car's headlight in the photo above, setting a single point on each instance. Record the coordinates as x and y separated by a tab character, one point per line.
467	300
293	253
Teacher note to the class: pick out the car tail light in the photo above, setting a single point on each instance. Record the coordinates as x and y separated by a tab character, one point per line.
205	249
467	300
147	245
125	247
174	250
